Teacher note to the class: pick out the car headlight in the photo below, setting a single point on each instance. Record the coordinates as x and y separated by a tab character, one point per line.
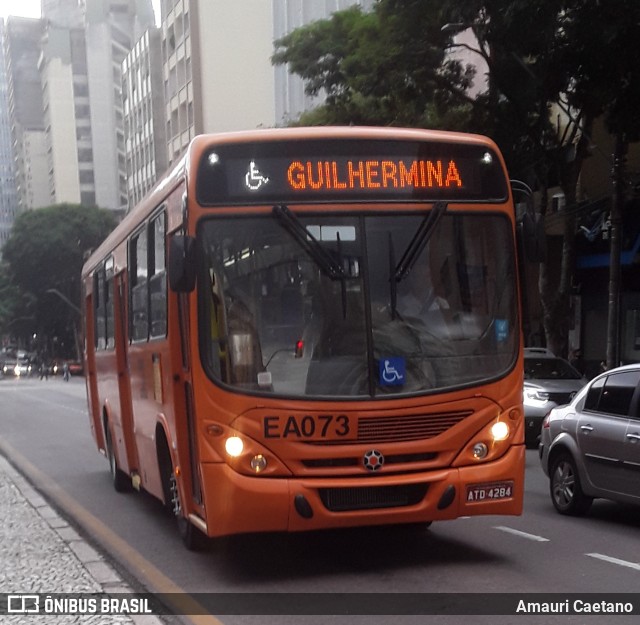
534	396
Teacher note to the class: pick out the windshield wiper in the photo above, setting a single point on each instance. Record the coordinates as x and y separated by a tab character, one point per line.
309	243
418	243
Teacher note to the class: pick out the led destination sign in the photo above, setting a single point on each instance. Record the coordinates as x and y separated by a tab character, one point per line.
354	171
373	174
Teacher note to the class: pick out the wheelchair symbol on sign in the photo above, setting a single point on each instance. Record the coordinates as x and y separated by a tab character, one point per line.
254	179
390	374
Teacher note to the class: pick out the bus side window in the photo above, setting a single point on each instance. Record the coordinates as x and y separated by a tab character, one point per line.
99	303
109	305
158	279
138	320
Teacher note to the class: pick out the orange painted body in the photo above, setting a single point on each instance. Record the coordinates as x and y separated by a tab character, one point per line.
147	391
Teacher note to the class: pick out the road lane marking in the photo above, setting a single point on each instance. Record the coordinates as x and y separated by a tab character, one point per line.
599	556
511	530
138	566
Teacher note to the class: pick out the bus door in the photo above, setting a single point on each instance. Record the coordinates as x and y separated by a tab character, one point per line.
129	464
92	378
184	400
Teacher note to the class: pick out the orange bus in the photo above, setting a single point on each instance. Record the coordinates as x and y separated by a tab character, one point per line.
313	328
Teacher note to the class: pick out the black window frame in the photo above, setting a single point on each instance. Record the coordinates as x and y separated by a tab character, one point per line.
152	280
617	400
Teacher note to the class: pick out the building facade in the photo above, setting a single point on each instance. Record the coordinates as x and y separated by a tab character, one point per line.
8	198
143	110
26	113
111	29
290	97
217	71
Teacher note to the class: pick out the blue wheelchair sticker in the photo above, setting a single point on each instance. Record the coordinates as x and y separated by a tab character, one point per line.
502	329
392	371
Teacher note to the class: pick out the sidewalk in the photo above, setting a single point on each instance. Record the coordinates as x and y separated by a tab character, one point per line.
41	553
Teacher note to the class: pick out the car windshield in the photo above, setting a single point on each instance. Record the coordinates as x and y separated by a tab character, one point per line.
549	369
356	306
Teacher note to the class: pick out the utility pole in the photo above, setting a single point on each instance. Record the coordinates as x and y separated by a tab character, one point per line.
615	244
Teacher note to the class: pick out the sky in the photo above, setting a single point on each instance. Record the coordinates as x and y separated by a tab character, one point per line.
31	8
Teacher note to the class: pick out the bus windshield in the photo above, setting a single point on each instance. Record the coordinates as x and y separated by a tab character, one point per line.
334	306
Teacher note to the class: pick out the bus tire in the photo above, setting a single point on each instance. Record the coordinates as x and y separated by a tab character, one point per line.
120	480
192	538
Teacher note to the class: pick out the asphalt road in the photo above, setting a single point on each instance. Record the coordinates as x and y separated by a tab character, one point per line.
45	432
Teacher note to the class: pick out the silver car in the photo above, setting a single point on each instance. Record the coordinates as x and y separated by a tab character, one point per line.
549	381
591	448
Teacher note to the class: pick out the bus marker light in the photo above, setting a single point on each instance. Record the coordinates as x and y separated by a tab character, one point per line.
258	463
234	446
479	451
499	431
214	430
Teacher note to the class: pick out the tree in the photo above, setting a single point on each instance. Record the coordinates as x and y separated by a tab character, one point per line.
390	67
580	56
385	67
44	256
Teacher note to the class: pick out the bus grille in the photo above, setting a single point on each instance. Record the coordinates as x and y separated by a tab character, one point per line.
407	427
372	497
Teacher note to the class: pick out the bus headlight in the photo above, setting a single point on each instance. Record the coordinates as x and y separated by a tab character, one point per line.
480	450
491	441
500	431
258	463
241	452
234	446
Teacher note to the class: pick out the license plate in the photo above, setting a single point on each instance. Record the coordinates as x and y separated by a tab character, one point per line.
490	492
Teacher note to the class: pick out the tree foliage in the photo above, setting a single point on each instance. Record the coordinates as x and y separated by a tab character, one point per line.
370	75
576	56
43	260
555	66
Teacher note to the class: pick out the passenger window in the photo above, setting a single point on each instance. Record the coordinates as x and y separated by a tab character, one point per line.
138	321
158	279
99	312
592	400
109	305
618	392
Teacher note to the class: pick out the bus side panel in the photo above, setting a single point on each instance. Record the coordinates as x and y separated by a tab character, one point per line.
108	395
144	359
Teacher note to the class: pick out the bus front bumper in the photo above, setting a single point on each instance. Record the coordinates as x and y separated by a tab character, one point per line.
238	504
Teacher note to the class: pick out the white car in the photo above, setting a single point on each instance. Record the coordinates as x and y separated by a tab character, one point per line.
549	381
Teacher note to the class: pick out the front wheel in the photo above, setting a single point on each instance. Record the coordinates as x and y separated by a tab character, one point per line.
565	488
192	538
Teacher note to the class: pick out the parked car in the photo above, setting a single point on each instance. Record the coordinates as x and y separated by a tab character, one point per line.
591	448
549	381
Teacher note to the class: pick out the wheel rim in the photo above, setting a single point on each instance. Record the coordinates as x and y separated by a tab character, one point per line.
564	484
175	497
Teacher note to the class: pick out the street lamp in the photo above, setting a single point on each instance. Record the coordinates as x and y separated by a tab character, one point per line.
65	299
